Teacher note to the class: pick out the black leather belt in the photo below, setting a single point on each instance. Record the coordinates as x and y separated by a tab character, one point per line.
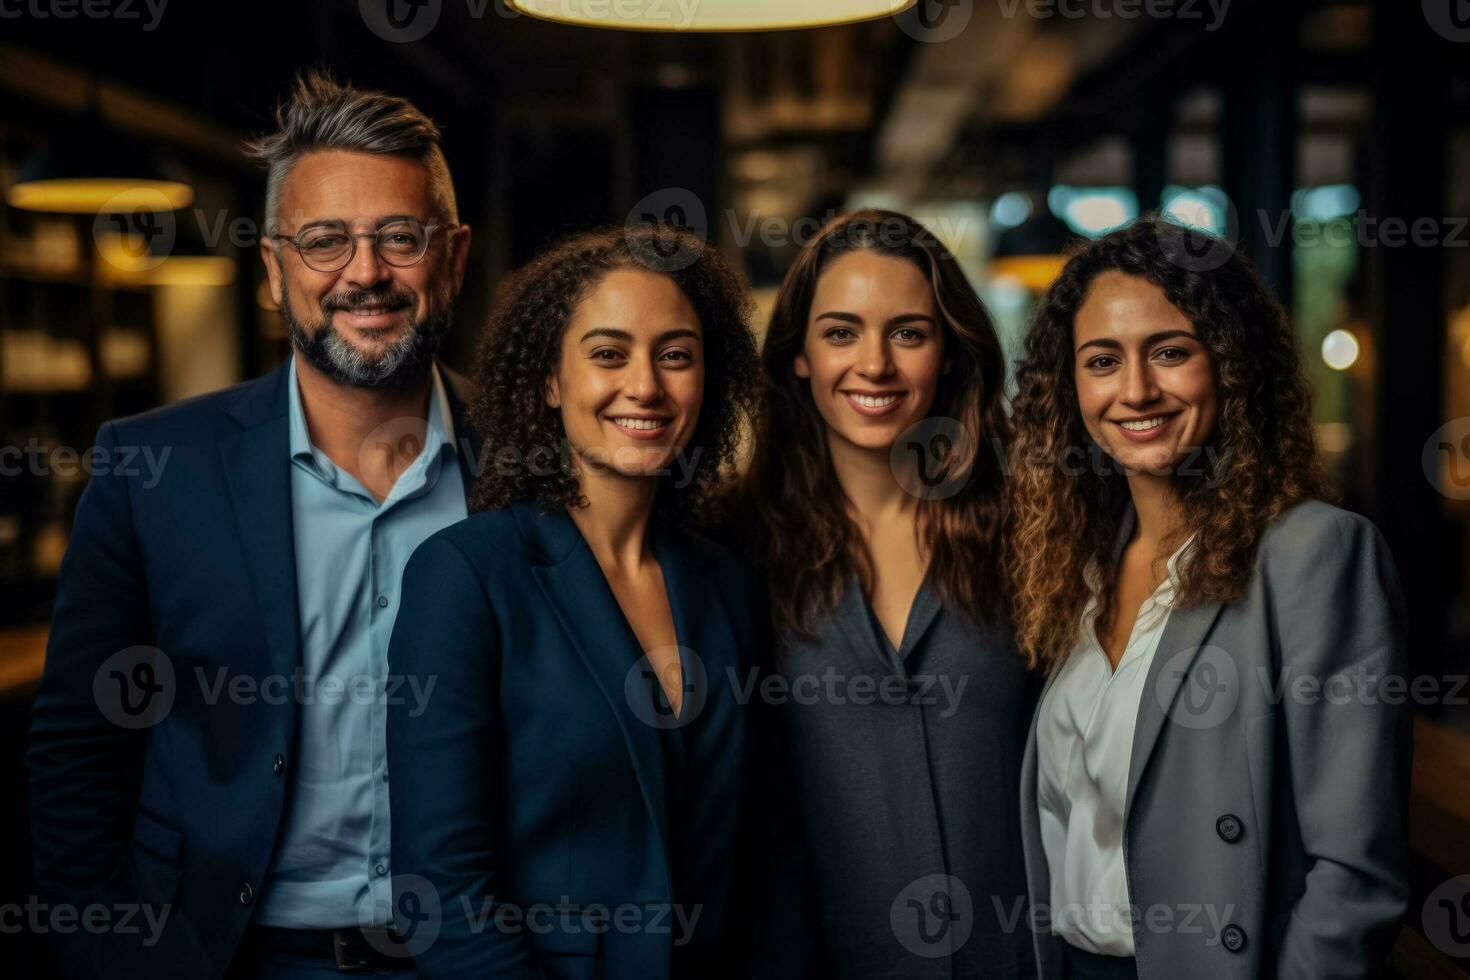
351	949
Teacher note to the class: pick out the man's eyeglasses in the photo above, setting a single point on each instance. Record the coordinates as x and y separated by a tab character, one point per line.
331	248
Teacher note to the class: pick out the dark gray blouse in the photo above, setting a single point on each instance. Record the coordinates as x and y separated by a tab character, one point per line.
907	768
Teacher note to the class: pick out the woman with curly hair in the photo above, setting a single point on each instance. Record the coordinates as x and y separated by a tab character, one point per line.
875	492
1191	809
575	790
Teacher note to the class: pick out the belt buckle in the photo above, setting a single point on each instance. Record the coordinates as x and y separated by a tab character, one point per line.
366	948
347	949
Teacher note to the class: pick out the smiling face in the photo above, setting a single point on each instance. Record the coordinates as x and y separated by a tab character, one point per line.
1145	383
371	320
630	379
874	349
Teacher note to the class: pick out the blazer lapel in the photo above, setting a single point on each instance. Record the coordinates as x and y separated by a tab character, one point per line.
471	444
257	464
578	594
702	620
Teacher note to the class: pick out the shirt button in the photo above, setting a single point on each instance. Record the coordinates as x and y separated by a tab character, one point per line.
279	766
382	602
381	869
1233	938
1229	828
247	894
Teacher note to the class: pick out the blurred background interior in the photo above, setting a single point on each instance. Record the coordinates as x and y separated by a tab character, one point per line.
1006	126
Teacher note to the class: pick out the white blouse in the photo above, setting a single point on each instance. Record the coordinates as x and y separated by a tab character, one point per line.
1084	742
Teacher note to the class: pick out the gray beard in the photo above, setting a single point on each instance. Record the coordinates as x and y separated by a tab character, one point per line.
402	364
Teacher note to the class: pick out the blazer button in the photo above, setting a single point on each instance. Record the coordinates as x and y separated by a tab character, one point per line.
1233	938
1229	828
247	894
279	766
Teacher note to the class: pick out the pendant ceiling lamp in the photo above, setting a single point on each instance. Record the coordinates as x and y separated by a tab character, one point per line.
709	15
87	168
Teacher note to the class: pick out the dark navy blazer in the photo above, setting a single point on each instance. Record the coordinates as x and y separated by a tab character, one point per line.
182	812
531	797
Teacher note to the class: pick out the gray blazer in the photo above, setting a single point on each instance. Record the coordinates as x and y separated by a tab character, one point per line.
1265	815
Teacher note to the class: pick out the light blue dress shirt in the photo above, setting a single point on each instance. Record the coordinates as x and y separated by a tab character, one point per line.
331	867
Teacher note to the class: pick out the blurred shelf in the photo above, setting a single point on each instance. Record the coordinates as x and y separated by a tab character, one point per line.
53	277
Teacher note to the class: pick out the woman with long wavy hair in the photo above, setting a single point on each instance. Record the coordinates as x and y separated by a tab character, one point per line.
875	486
580	795
1190	809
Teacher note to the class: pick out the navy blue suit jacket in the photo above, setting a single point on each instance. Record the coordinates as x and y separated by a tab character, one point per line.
181	813
534	788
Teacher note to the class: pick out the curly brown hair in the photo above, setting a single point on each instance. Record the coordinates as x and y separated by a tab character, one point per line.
522	345
1264	455
796	513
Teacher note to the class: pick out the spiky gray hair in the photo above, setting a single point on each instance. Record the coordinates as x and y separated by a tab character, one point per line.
323	114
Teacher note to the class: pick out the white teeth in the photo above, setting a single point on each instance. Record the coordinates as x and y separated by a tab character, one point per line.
1145	425
639	423
870	401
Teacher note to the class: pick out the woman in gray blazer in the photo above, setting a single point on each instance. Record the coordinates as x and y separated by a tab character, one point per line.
1215	780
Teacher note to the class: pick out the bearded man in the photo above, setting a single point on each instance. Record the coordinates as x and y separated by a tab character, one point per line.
208	736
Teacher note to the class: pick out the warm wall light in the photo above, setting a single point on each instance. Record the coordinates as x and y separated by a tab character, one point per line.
1033	252
1340	350
710	15
1035	272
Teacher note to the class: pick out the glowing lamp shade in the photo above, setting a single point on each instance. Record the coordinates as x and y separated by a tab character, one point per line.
1340	349
89	195
708	15
88	171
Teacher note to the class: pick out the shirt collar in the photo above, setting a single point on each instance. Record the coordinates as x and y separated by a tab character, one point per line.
1164	594
440	431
